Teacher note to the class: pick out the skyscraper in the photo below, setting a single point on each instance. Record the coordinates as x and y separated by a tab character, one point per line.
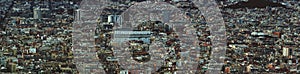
115	19
77	14
37	13
285	51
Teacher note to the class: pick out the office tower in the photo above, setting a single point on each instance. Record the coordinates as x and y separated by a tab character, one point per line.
77	14
37	13
285	51
115	19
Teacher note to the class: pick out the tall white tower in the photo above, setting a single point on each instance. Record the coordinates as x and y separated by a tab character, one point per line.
77	14
115	19
285	51
37	13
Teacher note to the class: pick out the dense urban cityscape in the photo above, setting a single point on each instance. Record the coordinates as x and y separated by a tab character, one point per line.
37	37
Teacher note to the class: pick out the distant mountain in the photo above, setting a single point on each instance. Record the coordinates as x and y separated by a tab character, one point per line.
255	4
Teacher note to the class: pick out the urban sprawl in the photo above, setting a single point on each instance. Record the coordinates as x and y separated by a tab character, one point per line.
263	36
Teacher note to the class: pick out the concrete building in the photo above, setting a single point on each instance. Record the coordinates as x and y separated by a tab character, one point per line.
285	51
37	13
77	14
124	72
115	19
121	36
178	0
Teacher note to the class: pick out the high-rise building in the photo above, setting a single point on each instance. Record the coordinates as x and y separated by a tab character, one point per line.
115	19
77	14
178	0
285	51
37	13
12	67
124	72
121	36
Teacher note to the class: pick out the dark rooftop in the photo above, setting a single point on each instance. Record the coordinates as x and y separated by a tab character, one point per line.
255	4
